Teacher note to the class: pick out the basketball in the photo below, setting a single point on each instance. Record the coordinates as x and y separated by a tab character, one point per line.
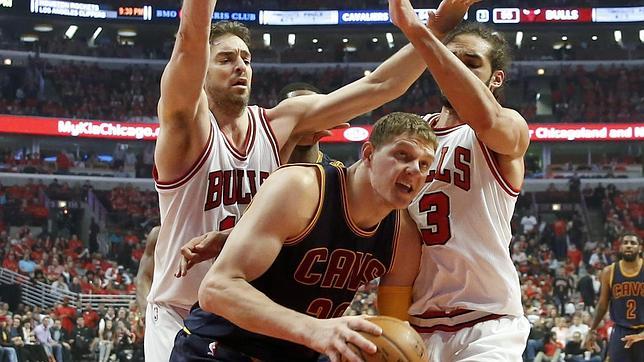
399	342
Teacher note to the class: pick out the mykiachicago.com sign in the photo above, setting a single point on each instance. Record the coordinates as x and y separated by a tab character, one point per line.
46	126
544	132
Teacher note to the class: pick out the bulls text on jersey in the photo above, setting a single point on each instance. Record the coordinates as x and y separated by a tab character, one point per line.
459	175
227	187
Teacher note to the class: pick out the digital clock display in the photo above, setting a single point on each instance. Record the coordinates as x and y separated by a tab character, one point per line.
130	11
141	12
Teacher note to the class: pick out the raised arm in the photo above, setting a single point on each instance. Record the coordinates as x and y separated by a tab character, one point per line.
503	130
395	289
183	107
146	270
284	206
306	114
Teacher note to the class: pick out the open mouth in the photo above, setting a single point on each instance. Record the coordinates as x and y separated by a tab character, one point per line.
241	82
404	187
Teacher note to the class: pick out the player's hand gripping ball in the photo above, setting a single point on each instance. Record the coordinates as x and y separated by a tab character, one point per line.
398	342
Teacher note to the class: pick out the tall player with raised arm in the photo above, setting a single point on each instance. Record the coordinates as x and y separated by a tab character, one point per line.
467	299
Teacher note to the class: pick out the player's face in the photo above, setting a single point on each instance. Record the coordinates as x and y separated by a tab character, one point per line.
229	76
399	169
474	53
630	248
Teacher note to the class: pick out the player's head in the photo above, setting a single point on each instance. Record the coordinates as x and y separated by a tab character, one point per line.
398	154
307	148
297	89
484	51
630	246
229	76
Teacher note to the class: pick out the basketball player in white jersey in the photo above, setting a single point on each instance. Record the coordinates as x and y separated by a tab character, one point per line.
214	151
466	299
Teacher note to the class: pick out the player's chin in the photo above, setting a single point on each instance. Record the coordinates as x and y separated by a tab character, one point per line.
401	202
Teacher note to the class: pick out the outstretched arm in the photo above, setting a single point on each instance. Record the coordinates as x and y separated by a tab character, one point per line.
183	105
306	114
253	246
503	130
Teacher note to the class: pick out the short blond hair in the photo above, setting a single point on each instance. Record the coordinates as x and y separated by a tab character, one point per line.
400	123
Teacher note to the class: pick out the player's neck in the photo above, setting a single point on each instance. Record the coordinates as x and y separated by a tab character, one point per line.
233	123
631	267
448	118
366	208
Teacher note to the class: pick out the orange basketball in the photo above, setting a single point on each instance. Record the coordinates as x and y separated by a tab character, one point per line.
398	342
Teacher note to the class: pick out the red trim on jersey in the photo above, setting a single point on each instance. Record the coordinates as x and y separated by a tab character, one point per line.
494	167
347	217
205	153
271	135
249	140
307	230
447	130
432	119
396	239
456	327
431	314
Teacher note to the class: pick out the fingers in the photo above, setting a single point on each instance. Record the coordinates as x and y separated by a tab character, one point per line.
362	324
342	126
347	353
629	341
359	341
187	256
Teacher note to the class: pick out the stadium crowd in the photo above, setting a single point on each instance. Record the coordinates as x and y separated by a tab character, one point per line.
611	93
557	260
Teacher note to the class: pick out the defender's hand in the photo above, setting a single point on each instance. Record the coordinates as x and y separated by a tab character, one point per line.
449	14
201	248
311	139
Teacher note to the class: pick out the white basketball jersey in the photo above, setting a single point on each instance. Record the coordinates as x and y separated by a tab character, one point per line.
464	213
212	195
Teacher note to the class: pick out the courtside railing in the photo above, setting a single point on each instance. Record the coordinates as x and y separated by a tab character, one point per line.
43	295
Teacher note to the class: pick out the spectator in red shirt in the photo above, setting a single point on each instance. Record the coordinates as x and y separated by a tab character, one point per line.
10	262
67	315
63	162
575	255
75	245
90	316
551	350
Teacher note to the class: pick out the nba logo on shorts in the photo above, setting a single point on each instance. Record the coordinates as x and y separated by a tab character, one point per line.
213	348
155	313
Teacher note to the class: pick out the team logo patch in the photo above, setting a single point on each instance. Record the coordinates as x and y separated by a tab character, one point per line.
213	348
155	313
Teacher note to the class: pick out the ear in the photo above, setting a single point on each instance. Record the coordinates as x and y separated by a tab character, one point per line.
367	153
497	79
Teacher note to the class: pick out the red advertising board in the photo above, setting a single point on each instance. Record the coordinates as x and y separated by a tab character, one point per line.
544	132
46	126
545	15
548	132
